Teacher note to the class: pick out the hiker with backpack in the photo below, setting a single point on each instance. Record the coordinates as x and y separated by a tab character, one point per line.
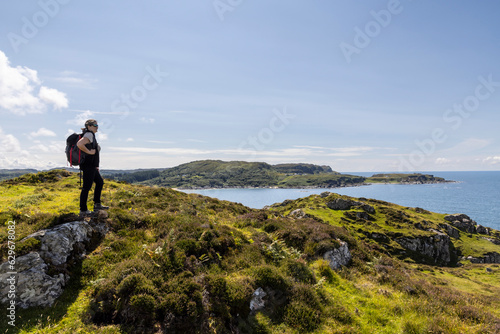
90	167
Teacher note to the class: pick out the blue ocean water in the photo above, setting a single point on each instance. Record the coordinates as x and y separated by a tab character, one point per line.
476	194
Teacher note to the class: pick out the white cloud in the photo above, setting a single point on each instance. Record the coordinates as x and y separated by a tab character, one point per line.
9	143
43	132
54	97
129	140
102	137
492	160
21	91
442	161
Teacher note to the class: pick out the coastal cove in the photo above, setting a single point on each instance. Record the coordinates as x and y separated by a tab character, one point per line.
476	194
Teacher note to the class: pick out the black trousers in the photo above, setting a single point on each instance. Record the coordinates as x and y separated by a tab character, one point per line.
90	175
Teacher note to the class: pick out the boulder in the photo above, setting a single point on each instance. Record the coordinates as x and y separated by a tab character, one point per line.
338	257
58	243
298	213
34	286
341	204
258	303
482	230
450	230
346	204
462	222
41	275
491	257
436	247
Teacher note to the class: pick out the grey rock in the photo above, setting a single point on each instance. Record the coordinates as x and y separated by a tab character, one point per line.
34	286
482	230
258	302
450	230
462	222
58	243
298	213
338	257
346	204
58	247
436	246
491	257
341	204
324	194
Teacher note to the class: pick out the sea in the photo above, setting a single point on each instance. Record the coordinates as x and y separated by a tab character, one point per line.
477	194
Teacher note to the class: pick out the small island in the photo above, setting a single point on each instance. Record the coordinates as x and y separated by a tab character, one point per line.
402	178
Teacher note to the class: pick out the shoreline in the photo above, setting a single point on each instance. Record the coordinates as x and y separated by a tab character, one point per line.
314	187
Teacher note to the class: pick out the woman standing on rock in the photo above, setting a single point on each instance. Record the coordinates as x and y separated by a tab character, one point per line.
90	168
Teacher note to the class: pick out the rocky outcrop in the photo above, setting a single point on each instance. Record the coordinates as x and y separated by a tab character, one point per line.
338	257
34	286
347	204
435	248
492	257
466	224
42	274
298	214
450	230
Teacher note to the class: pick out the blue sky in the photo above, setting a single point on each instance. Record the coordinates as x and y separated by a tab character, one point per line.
372	86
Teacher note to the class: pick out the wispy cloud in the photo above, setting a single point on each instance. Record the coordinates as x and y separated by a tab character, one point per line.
75	79
493	160
43	132
147	120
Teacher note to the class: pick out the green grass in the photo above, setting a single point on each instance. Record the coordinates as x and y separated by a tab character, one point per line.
190	263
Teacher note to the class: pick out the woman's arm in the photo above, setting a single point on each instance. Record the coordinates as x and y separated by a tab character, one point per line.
81	145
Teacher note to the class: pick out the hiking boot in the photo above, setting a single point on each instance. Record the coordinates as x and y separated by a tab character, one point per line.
87	213
99	206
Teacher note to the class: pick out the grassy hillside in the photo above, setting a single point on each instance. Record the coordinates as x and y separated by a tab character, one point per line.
6	174
175	262
235	174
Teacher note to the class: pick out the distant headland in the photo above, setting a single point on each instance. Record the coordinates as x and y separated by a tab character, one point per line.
205	174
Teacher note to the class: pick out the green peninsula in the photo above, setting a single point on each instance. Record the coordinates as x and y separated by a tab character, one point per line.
241	174
163	261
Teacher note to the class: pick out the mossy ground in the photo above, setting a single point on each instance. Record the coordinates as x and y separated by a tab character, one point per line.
183	262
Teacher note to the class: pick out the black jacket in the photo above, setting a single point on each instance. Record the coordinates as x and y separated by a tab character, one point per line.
91	160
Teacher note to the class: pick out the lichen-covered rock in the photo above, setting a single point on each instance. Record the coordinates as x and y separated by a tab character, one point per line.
58	243
258	302
42	275
298	213
338	257
33	285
